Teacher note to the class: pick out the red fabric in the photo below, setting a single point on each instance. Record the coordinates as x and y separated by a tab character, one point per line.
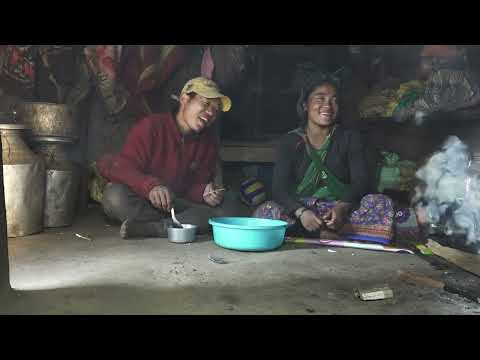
440	51
207	64
125	79
172	63
163	71
141	57
18	70
155	154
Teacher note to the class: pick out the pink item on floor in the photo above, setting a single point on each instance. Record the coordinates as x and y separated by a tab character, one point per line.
347	244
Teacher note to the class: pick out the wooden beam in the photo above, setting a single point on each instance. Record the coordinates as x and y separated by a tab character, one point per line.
258	96
419	280
248	152
463	284
4	264
466	261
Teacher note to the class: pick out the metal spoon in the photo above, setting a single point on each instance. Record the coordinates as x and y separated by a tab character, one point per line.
176	223
217	260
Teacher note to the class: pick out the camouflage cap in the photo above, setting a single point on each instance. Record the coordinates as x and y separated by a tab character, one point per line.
208	89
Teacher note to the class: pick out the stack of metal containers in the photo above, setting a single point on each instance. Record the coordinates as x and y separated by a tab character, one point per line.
24	180
53	129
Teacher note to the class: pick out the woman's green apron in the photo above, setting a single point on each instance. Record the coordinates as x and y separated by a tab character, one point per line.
319	181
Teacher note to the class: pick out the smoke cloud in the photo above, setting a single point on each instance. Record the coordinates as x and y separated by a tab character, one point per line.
450	192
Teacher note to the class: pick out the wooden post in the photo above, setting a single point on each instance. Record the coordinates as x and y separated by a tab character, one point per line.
83	118
259	97
4	264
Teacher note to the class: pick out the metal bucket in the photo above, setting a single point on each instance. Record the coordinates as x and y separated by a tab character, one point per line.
60	198
48	119
62	183
24	183
24	196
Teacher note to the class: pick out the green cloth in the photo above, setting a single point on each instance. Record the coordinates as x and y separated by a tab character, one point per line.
318	180
396	174
407	95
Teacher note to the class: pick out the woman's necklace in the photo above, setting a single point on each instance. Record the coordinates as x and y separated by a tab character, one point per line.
324	140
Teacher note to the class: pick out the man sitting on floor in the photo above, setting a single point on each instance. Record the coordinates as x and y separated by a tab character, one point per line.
169	160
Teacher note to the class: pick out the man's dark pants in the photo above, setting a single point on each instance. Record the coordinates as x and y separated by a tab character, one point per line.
121	203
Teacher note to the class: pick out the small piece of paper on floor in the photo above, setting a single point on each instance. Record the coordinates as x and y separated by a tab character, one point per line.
331	251
374	294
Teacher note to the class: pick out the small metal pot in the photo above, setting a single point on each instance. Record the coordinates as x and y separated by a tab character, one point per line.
182	236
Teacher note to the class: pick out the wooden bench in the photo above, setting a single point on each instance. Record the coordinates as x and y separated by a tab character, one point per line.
248	151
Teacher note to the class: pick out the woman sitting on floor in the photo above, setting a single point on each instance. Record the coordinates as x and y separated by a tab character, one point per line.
321	178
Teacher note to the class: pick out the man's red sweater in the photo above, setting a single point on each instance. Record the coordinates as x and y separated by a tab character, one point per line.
156	153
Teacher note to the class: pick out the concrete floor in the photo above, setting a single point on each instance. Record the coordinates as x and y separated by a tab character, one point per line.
58	273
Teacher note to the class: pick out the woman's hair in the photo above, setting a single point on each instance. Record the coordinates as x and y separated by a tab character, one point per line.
313	81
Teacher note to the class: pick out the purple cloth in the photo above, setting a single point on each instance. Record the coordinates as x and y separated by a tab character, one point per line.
373	221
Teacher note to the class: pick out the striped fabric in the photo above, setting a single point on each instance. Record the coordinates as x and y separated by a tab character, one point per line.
374	221
252	192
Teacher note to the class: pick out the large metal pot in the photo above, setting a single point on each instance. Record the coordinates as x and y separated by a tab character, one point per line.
24	183
62	182
48	119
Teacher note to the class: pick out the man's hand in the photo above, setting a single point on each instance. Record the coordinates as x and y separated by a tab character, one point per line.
161	198
310	221
213	196
336	217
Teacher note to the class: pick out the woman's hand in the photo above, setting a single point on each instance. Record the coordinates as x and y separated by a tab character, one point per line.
336	217
310	221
